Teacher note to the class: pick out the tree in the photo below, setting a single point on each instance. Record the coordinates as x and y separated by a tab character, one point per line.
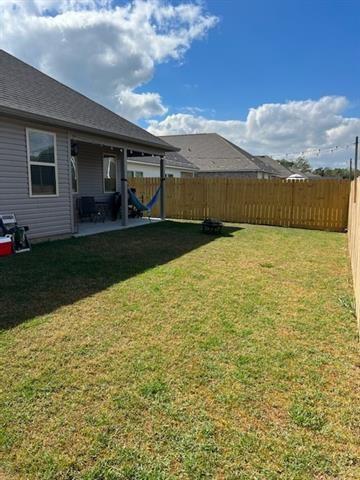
302	164
333	172
286	163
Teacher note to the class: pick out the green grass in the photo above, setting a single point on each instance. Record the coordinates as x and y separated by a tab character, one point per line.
162	353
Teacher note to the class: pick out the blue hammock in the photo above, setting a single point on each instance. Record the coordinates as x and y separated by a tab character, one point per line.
139	205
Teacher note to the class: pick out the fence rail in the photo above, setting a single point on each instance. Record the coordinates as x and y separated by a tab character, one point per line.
354	240
314	204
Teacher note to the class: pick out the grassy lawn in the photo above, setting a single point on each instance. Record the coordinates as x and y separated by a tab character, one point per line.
163	353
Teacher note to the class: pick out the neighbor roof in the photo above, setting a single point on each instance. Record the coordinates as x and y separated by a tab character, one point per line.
26	91
172	159
175	159
273	165
308	175
212	153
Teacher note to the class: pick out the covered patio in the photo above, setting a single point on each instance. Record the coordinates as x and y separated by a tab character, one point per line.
99	181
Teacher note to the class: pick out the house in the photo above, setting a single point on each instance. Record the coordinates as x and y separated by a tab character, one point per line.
215	156
296	174
275	167
57	145
176	165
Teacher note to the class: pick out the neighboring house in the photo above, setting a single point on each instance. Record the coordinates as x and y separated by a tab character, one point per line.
299	175
176	165
296	176
275	167
217	157
55	145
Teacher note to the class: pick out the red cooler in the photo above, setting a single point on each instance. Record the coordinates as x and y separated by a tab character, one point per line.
5	246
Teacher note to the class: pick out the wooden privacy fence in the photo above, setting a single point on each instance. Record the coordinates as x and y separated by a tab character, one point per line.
316	204
354	240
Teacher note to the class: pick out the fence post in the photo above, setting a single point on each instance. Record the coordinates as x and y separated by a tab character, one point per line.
292	182
356	166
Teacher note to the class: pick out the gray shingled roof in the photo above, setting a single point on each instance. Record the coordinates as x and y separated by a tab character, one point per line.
273	165
26	90
212	153
175	159
172	159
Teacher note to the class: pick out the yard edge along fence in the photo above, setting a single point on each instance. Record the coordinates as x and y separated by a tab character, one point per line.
312	204
354	241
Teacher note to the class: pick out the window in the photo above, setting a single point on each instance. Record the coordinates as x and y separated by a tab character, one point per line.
41	151
74	173
169	175
131	174
109	172
186	174
139	174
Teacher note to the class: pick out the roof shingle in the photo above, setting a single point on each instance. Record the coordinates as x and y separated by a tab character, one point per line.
211	152
172	159
25	89
273	165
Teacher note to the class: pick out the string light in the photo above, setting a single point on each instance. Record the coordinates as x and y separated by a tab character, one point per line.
313	151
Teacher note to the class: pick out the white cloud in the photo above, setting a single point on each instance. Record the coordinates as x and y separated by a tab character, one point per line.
107	52
198	110
100	49
279	128
133	105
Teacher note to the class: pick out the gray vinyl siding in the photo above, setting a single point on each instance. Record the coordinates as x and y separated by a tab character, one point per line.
90	171
48	216
51	216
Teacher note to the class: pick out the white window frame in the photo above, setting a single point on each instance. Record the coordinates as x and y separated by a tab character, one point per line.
138	174
44	164
116	173
77	173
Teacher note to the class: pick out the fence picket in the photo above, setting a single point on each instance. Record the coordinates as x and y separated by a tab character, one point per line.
316	204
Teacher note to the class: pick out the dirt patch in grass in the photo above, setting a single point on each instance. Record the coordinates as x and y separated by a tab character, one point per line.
160	353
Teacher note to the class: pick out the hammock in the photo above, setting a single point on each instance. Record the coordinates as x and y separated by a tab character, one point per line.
139	205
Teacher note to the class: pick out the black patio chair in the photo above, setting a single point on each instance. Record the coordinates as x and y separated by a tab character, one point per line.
88	210
133	212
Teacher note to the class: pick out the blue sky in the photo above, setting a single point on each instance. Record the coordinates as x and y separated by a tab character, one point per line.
276	77
268	51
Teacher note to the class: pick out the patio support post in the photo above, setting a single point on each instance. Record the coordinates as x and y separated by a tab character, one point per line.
74	224
124	188
162	190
